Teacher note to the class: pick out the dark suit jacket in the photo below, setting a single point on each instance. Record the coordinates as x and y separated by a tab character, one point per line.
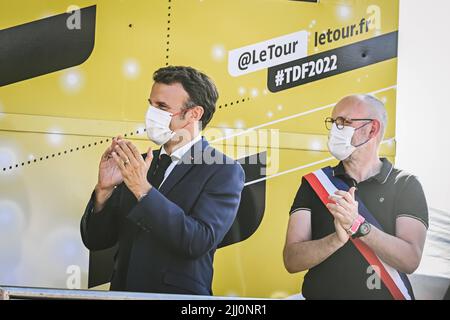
167	240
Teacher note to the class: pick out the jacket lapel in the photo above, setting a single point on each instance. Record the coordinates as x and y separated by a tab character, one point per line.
186	163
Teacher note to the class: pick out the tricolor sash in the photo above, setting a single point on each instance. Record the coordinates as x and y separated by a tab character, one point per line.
324	183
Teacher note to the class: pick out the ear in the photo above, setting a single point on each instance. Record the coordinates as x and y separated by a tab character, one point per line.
196	113
376	128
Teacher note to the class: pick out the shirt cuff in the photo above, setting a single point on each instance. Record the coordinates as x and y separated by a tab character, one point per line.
298	209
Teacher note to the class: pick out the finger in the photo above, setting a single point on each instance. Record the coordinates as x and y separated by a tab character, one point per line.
337	209
335	197
343	203
347	196
134	150
115	141
118	149
337	215
119	161
352	192
149	158
339	200
107	154
346	213
129	154
333	208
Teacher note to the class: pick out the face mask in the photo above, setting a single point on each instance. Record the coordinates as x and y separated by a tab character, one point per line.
157	123
340	141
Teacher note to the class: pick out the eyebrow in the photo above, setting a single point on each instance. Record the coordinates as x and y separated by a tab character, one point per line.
158	103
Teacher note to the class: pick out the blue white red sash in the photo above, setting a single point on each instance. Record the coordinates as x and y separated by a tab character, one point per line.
324	183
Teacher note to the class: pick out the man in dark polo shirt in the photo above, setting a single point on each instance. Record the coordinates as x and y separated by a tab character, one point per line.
318	234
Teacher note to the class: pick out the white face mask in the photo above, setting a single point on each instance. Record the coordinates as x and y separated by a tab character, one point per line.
157	123
340	142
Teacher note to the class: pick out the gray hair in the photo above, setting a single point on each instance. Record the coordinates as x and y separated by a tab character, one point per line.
377	110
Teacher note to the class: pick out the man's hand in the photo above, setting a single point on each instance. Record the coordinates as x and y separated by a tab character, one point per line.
109	176
341	233
343	207
133	167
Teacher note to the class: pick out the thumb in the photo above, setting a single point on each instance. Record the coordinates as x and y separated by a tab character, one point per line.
352	192
149	158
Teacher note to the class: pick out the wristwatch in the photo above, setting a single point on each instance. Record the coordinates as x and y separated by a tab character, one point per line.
141	196
363	230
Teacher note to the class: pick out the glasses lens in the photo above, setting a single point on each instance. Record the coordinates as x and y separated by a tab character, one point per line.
328	123
340	123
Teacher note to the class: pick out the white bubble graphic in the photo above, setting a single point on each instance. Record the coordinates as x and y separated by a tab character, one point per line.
218	52
55	137
131	68
242	91
344	12
72	81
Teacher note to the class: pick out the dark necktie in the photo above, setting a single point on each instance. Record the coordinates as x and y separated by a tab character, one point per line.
157	177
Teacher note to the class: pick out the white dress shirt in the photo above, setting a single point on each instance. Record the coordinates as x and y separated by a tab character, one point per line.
177	155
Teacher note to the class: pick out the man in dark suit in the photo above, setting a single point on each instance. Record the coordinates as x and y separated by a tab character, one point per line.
168	209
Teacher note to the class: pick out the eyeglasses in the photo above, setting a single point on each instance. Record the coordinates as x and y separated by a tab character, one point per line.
341	122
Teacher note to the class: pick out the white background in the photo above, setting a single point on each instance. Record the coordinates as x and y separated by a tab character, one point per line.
423	105
423	120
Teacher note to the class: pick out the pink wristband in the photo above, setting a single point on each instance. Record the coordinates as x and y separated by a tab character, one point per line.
355	226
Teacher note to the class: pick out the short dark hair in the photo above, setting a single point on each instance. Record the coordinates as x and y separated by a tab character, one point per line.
200	88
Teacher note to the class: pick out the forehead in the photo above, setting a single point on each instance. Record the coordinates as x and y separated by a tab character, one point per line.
173	95
350	107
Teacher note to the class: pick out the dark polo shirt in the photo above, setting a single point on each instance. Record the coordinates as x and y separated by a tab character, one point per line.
390	194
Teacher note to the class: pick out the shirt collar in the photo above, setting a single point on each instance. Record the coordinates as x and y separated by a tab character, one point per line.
179	153
381	177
